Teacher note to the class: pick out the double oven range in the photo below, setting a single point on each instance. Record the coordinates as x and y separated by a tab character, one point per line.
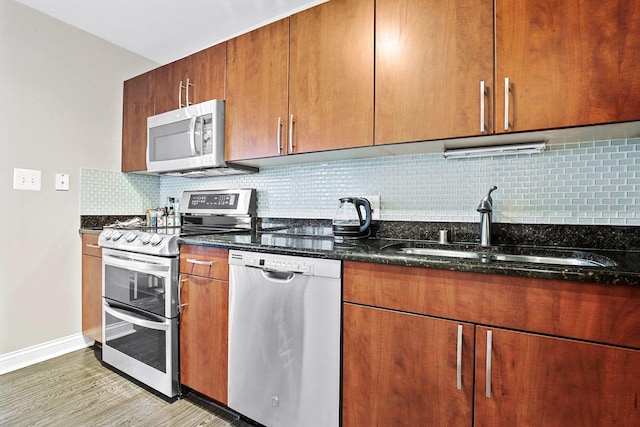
141	286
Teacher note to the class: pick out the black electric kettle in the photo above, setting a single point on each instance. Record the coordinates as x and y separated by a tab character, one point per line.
349	221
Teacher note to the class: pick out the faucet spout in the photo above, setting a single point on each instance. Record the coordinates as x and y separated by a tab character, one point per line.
486	208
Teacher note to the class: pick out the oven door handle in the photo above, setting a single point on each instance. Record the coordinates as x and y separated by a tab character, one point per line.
136	320
132	264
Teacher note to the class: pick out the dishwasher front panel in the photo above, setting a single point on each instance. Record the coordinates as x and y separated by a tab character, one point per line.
284	346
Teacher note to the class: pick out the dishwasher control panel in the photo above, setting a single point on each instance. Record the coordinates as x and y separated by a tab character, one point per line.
286	263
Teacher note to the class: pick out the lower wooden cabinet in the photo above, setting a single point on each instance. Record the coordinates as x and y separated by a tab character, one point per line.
544	381
91	287
401	351
204	321
402	369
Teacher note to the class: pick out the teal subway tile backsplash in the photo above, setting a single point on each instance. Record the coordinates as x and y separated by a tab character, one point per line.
595	182
116	193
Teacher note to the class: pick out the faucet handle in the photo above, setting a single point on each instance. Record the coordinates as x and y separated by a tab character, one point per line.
486	204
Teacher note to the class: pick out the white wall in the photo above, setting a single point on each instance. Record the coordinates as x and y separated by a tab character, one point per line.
60	110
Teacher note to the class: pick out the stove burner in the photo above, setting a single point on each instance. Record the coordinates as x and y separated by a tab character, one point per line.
197	219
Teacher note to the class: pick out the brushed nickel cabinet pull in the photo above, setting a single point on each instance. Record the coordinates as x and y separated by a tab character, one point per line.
459	359
506	103
180	87
198	262
92	246
279	136
482	94
187	90
488	367
180	305
291	122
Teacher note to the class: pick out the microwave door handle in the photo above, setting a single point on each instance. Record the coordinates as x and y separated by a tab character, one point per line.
192	135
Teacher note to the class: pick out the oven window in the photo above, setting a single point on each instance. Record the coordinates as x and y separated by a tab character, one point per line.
143	344
141	290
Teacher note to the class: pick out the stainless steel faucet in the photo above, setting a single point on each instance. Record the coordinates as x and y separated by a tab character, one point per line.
486	208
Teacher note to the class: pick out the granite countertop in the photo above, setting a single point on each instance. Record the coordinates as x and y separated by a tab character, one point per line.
385	251
314	238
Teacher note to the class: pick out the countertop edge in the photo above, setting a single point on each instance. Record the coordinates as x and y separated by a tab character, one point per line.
586	274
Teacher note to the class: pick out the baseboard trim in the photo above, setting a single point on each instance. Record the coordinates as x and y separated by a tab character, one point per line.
41	352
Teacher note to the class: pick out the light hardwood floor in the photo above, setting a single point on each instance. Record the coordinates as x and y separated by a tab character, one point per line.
77	390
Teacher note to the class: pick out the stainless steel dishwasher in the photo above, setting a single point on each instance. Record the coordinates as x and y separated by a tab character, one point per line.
284	339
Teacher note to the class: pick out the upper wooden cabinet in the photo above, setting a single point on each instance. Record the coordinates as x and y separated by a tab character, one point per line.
257	93
138	100
162	90
331	76
196	78
302	84
432	58
568	63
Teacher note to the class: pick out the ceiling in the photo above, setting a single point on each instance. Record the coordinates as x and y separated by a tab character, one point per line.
166	30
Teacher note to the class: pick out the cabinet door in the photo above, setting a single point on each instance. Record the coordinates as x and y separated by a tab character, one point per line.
91	287
541	381
204	261
257	93
203	336
205	72
569	63
401	369
331	76
138	101
169	91
431	57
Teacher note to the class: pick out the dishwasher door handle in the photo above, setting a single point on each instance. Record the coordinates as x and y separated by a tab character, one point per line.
275	275
278	276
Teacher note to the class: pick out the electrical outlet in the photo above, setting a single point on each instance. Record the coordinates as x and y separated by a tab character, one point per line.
27	179
62	182
374	201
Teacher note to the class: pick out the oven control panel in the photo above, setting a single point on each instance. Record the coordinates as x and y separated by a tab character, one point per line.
219	202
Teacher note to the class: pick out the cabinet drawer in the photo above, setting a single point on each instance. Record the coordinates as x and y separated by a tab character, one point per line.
589	311
205	261
90	245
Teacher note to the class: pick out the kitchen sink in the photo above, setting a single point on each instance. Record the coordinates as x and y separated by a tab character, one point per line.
575	261
553	257
441	252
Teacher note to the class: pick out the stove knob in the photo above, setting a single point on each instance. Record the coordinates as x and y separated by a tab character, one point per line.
155	240
107	234
116	235
145	238
130	236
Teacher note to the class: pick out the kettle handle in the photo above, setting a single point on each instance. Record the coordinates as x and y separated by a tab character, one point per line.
367	210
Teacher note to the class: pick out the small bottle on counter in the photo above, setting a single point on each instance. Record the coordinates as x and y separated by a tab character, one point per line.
171	218
177	219
153	219
161	221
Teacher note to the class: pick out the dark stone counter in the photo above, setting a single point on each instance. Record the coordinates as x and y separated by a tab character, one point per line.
275	237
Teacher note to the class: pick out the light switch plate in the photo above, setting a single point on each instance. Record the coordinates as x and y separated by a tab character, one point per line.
62	182
27	179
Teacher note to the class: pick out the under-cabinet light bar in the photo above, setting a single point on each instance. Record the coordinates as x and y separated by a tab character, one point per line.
497	150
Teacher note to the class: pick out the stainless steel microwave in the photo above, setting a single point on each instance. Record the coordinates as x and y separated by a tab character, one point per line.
189	142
